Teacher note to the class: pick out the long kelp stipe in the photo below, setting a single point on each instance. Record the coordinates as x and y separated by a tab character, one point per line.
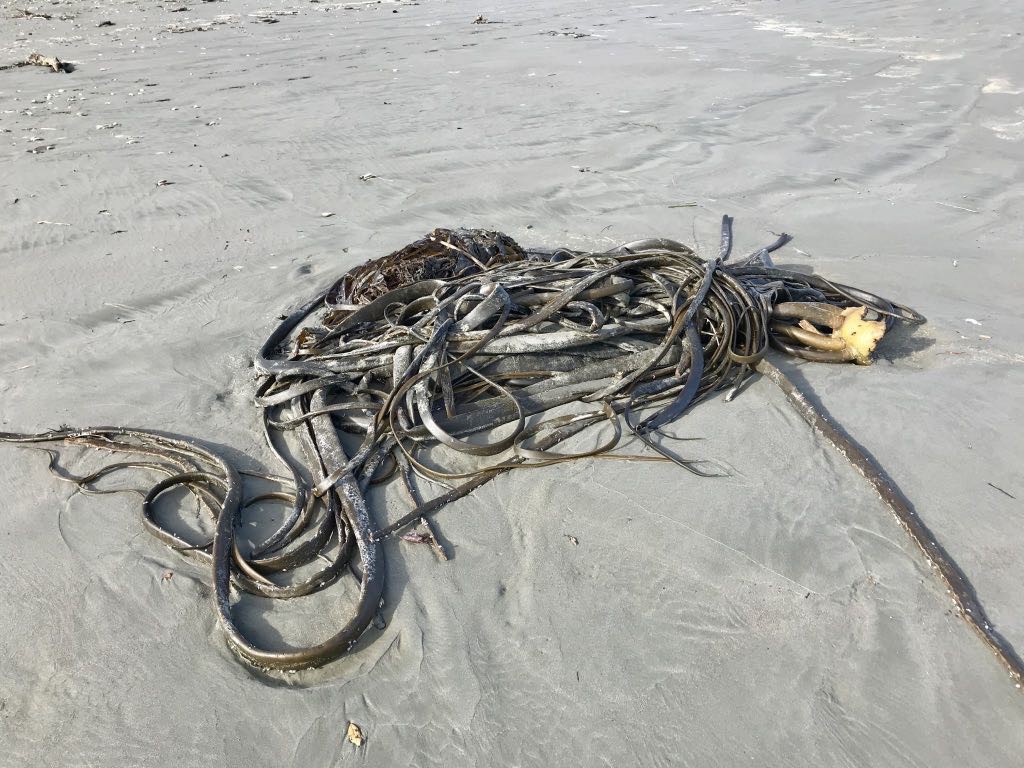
447	360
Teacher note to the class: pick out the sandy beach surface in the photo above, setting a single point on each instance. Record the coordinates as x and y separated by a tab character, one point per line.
164	202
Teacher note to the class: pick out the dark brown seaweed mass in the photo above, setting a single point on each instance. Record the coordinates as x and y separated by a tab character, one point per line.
441	255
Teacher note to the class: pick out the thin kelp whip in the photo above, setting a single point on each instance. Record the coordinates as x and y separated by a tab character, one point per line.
957	584
464	356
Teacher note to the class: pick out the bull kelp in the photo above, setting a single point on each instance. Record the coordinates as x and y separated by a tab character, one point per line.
463	356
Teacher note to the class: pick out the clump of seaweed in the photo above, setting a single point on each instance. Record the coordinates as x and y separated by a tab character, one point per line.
447	359
441	255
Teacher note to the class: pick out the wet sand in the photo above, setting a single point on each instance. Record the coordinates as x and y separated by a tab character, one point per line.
164	202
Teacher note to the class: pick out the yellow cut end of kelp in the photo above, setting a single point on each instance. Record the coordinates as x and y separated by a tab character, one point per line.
861	336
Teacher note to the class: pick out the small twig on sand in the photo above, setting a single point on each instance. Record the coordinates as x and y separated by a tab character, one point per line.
1005	493
956	207
25	13
956	582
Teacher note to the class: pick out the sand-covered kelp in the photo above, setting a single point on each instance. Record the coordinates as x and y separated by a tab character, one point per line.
463	356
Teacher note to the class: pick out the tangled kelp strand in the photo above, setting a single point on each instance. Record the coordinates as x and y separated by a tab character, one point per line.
446	360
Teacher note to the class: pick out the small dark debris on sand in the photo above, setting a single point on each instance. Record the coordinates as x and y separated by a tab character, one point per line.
566	33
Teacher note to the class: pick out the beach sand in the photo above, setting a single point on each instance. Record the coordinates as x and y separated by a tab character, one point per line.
164	202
